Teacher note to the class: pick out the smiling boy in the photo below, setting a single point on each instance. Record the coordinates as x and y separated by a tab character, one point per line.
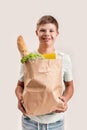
47	33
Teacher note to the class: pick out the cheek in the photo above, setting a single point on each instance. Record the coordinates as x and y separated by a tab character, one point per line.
40	34
54	36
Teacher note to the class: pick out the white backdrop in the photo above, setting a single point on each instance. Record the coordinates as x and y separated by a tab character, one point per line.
20	17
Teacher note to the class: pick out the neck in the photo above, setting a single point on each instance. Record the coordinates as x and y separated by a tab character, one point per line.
45	50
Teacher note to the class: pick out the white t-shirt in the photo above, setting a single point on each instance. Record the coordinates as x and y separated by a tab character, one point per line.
66	76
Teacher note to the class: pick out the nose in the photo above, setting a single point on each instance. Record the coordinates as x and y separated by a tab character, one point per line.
47	32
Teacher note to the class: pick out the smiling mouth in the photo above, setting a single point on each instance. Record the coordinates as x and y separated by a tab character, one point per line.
46	39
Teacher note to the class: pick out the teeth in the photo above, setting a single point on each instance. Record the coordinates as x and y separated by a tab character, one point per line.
46	38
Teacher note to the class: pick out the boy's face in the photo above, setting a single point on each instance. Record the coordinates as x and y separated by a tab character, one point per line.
47	34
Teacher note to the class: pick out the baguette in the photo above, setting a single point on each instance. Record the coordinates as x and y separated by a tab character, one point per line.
22	46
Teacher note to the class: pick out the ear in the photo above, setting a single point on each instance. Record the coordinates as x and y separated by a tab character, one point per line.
36	32
57	33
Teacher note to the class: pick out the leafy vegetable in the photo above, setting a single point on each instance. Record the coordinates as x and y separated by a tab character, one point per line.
32	56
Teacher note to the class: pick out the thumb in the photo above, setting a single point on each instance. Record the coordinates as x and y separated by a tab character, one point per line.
62	98
20	97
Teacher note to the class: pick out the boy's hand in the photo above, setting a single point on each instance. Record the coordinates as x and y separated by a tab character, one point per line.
20	103
65	105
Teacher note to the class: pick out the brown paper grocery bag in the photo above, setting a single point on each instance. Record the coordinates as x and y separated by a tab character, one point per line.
42	86
42	83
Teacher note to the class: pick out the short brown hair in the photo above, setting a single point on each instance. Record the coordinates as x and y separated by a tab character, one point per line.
47	19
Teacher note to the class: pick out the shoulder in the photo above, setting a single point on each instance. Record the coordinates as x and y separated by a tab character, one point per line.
65	57
66	60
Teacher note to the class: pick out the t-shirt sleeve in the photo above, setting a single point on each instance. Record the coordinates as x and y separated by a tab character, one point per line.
67	68
21	73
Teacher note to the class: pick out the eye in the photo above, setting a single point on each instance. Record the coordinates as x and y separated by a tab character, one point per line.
42	30
51	30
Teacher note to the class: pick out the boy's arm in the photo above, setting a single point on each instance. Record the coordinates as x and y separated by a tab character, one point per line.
19	93
68	93
69	90
19	89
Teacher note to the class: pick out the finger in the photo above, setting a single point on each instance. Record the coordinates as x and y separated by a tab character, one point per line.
22	102
57	111
62	98
20	97
62	109
21	108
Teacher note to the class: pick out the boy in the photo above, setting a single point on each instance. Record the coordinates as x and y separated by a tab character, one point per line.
47	32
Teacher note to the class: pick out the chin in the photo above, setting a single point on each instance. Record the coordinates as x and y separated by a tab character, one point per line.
47	43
